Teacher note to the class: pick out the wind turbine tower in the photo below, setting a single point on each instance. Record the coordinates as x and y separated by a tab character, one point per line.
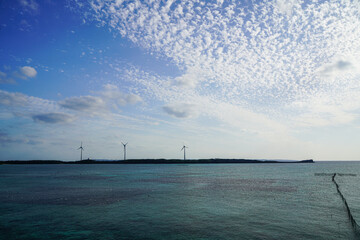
184	149
124	144
81	149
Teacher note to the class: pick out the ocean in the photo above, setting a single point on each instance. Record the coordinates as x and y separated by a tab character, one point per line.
194	201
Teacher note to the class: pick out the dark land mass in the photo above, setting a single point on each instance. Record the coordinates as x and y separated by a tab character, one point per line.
152	161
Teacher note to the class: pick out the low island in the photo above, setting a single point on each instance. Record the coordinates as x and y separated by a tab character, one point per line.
154	161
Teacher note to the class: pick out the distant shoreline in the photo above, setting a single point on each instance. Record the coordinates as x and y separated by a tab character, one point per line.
153	161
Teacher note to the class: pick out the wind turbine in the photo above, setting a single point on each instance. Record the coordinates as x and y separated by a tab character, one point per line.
184	148
124	144
81	149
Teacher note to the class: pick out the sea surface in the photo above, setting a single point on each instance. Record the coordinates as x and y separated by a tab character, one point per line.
195	201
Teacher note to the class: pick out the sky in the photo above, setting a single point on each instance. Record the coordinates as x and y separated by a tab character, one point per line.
229	79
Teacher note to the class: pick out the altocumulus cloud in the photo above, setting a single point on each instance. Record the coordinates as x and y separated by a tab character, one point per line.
53	118
261	55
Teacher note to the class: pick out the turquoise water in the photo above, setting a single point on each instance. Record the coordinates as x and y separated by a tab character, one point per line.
200	201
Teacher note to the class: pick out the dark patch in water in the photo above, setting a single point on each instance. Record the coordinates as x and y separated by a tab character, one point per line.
266	185
70	196
226	183
84	177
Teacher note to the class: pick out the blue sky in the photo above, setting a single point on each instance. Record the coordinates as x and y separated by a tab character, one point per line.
273	79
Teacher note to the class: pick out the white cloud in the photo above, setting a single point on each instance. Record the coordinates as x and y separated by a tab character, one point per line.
24	73
257	73
12	99
323	110
182	110
337	67
132	99
24	106
28	71
189	79
41	110
286	6
30	5
104	103
111	93
262	60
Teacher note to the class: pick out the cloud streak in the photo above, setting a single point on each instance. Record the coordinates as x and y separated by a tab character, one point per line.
4	79
84	104
180	110
53	118
12	99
